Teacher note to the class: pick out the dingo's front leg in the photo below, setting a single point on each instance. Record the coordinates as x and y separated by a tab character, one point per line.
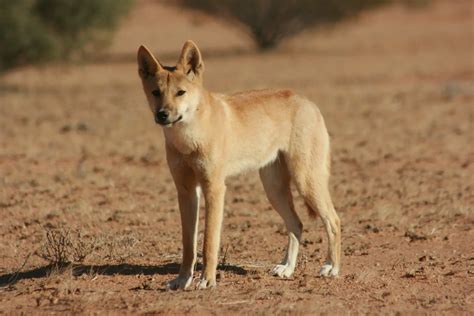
188	198
189	210
214	192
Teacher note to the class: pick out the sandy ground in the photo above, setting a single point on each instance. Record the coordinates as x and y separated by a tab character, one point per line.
79	152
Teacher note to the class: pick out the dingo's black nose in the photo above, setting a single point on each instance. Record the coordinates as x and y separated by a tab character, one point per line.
161	117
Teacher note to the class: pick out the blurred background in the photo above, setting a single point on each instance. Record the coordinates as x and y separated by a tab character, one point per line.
79	149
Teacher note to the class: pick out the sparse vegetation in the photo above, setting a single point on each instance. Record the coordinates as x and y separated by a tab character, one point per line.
117	248
397	91
36	31
56	248
82	246
269	22
63	246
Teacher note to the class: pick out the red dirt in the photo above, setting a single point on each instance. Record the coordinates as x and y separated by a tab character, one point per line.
79	150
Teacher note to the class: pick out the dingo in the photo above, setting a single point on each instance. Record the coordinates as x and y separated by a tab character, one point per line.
211	136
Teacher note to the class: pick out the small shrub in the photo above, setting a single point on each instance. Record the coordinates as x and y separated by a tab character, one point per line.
61	247
56	248
35	31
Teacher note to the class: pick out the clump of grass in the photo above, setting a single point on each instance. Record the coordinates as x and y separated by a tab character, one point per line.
117	248
82	246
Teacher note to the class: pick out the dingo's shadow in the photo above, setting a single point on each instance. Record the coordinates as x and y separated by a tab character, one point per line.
106	269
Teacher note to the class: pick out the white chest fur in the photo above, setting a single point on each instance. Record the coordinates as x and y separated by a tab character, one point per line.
182	138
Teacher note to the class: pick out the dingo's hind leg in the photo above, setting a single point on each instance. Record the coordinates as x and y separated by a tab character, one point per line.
318	200
276	182
308	160
312	183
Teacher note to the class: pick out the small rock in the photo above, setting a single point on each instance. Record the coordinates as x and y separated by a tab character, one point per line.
414	236
82	127
65	129
410	274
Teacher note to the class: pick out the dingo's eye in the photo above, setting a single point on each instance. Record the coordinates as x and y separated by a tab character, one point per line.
180	93
156	93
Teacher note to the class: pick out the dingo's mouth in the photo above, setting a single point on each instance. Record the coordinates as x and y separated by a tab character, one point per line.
168	124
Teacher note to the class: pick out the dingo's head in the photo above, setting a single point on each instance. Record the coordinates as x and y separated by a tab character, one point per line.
173	93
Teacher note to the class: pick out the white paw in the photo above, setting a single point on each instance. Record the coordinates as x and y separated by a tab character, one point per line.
283	270
205	284
327	270
180	283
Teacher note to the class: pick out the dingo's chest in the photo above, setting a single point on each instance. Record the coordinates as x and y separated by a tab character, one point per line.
181	140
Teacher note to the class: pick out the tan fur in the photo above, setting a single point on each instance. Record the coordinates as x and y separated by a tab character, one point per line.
277	132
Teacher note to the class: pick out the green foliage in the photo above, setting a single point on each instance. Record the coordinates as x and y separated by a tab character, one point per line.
35	31
23	37
270	21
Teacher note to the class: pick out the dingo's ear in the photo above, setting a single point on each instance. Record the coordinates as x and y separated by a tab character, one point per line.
190	61
147	64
